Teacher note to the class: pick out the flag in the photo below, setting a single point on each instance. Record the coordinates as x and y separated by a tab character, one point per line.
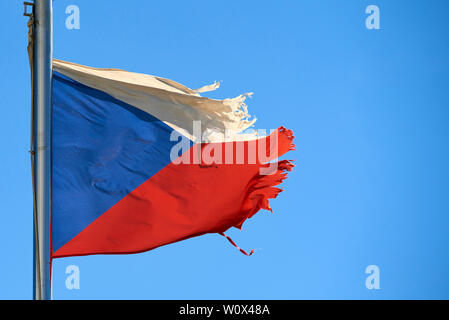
140	161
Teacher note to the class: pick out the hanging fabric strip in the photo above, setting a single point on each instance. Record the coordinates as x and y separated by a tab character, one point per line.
208	88
233	243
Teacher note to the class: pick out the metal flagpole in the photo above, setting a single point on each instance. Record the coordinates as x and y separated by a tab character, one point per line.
42	74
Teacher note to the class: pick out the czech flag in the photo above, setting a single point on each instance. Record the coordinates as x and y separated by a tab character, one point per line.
140	161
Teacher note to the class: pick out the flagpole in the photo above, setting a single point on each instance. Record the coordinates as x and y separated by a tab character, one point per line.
42	73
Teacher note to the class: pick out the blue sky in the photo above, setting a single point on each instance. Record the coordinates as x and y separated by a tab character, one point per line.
370	112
